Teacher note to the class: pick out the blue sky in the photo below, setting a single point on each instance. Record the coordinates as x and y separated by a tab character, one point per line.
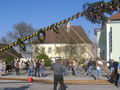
41	13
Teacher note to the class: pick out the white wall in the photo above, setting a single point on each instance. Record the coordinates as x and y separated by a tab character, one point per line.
115	54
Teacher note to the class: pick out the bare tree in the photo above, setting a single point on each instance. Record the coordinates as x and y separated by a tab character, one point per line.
4	40
20	30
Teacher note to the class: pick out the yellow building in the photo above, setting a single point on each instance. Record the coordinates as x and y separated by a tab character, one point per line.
67	43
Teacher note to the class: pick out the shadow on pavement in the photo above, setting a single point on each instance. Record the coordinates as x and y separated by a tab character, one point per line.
18	88
12	82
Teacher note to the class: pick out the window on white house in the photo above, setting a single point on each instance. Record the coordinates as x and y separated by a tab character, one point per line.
102	54
49	50
111	39
43	49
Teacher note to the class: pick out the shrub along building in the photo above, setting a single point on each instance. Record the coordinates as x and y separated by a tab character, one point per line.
69	42
108	39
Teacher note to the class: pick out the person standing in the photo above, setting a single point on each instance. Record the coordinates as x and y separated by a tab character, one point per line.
1	68
74	67
4	67
85	66
58	74
27	66
30	70
111	67
65	64
42	68
114	75
90	67
17	68
98	69
37	68
118	75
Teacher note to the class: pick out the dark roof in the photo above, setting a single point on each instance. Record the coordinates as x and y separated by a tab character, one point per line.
8	52
115	17
65	37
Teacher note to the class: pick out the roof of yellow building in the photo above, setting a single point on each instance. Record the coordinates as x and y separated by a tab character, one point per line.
75	35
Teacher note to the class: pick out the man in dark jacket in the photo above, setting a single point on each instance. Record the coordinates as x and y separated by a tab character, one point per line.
58	74
37	68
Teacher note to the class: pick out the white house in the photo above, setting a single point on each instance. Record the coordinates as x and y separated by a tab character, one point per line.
64	44
108	38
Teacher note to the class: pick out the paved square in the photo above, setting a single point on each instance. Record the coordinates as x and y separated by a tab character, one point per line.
22	85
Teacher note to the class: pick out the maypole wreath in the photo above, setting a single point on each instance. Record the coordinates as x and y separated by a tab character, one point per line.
97	12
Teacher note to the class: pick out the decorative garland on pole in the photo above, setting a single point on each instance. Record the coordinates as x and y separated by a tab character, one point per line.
40	37
53	26
22	45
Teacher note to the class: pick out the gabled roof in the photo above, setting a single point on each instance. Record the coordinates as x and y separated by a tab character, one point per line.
73	36
8	52
115	17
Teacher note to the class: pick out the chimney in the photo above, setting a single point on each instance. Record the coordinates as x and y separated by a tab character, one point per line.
68	26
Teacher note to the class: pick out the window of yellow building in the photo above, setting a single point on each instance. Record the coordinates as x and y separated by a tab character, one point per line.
49	50
43	49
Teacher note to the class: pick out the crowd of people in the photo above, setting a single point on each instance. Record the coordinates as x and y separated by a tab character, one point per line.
91	68
33	68
114	70
96	65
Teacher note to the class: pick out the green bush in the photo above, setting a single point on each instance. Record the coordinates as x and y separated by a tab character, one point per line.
9	59
46	59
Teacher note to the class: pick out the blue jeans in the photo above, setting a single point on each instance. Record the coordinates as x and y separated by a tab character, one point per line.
111	70
65	70
90	70
98	72
118	82
74	70
30	71
42	72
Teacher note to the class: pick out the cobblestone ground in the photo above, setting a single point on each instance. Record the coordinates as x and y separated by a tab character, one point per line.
22	85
